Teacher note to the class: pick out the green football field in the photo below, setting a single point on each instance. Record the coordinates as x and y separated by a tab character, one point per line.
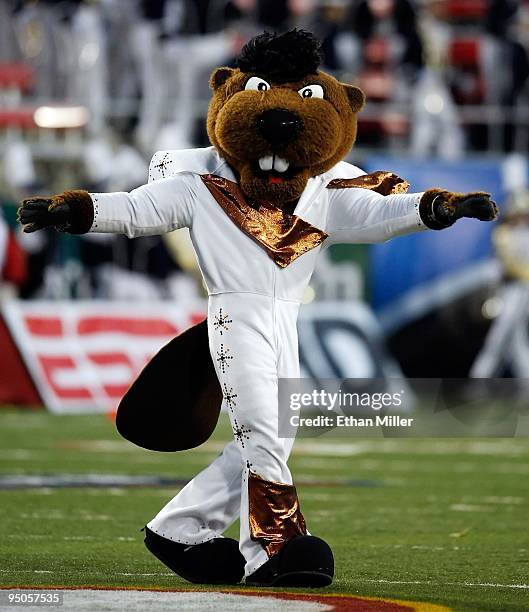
443	521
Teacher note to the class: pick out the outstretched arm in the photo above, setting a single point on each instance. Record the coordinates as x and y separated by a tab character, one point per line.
359	215
156	208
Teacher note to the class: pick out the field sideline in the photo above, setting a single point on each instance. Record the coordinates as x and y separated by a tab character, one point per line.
441	521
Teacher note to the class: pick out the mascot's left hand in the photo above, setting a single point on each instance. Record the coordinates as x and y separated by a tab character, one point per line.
444	208
70	211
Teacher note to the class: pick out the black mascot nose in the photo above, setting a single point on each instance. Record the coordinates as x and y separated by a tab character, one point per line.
279	126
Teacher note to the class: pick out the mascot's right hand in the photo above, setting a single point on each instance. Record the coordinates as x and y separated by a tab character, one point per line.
70	211
38	213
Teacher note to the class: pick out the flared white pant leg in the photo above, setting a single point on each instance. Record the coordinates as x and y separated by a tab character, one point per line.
207	505
253	338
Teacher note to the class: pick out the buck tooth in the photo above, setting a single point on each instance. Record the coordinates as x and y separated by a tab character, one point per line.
280	164
266	163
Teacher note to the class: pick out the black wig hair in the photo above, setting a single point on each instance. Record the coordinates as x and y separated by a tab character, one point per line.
281	57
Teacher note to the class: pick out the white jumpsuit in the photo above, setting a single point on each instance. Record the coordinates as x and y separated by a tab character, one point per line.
252	312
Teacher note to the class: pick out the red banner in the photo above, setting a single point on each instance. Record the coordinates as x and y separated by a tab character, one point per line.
82	356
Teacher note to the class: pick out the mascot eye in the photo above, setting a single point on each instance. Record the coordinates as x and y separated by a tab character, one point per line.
257	84
311	91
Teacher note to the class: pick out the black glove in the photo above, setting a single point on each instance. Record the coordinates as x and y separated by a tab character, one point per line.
71	211
39	213
441	209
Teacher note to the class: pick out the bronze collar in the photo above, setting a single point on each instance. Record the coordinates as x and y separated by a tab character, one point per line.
282	235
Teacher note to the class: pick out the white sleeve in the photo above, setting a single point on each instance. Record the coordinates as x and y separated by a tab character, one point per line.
156	208
359	215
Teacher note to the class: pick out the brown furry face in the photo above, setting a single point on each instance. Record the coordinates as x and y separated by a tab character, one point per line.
275	160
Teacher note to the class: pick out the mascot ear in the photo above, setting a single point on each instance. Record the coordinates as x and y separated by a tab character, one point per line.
219	76
356	97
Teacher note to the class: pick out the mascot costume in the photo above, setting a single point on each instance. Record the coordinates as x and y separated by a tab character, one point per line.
260	204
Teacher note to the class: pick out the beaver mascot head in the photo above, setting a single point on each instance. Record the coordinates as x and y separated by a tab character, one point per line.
277	119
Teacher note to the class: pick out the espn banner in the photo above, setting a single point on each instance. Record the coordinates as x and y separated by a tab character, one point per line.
83	356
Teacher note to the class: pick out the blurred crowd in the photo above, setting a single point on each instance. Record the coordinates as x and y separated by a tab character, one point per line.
89	89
